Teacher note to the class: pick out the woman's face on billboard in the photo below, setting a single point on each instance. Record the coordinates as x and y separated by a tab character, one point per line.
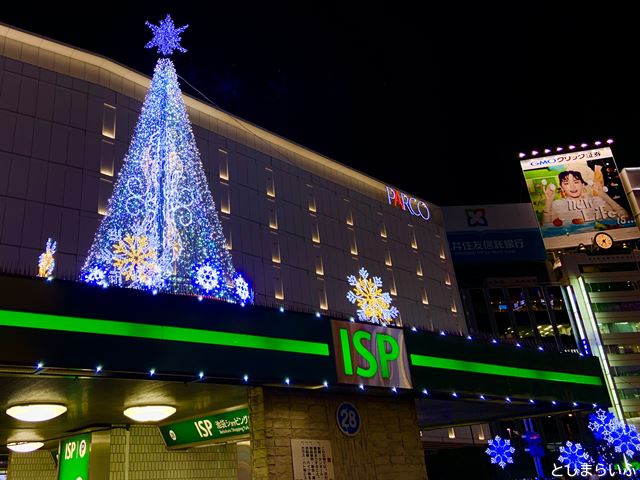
572	187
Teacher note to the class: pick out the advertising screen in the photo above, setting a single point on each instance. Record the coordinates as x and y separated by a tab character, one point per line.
577	194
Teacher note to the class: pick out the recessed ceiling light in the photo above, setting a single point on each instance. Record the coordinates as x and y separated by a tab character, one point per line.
149	413
24	447
36	412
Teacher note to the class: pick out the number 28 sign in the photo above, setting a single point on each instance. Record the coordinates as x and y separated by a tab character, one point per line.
348	418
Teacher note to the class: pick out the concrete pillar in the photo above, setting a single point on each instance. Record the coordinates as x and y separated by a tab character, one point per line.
387	447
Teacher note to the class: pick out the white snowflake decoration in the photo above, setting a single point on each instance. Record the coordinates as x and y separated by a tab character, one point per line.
207	277
96	275
573	455
242	288
624	439
602	423
374	305
500	451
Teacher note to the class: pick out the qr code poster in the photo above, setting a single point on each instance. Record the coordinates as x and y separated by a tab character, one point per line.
312	460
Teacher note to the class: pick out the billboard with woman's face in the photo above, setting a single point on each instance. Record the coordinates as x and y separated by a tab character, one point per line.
575	195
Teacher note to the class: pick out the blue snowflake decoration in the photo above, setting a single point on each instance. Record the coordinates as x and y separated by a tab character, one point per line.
166	36
602	423
572	455
96	276
206	277
500	451
242	288
625	439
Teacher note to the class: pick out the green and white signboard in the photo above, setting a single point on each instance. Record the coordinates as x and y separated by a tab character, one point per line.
73	458
222	426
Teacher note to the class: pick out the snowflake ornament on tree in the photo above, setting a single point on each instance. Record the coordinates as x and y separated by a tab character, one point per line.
242	288
96	276
624	439
602	423
46	260
572	455
135	260
207	278
500	451
373	305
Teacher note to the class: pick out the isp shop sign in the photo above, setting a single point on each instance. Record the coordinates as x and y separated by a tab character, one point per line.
223	426
73	463
367	354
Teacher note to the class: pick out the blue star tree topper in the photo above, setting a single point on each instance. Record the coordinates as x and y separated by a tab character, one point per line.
161	231
166	36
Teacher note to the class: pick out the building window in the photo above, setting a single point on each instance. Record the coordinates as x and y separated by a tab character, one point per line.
425	297
273	218
350	218
442	255
109	121
412	237
228	242
447	280
107	154
279	291
387	258
323	297
311	197
319	265
454	308
392	286
451	432
104	192
383	231
225	202
354	246
419	269
224	166
271	188
275	252
315	233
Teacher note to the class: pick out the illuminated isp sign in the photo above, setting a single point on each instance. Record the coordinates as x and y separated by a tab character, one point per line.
401	200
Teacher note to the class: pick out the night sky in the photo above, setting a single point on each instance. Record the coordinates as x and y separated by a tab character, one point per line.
436	100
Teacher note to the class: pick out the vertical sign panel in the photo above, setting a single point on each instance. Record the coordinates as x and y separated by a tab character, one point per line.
74	458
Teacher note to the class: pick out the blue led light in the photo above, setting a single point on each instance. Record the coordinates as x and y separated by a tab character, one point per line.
245	377
325	384
152	372
166	36
425	391
454	394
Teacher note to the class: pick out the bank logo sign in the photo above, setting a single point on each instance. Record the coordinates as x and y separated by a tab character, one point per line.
370	355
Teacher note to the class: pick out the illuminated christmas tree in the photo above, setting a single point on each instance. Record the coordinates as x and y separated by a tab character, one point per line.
161	230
